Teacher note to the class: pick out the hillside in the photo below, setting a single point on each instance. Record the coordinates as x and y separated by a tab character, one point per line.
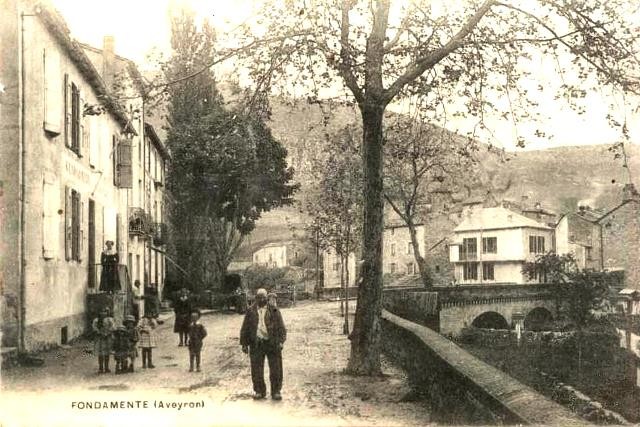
558	178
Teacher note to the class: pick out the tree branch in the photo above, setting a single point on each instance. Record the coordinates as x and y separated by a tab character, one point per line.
345	66
422	64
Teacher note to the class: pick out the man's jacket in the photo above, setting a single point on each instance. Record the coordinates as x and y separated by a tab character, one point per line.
273	321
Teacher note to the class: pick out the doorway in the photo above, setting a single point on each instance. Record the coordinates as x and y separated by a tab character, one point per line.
92	244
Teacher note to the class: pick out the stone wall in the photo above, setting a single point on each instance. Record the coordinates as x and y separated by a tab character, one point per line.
416	305
621	241
461	388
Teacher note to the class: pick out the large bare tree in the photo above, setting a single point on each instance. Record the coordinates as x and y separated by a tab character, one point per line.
469	58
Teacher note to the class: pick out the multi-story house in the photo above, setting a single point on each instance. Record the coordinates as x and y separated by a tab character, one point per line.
333	274
397	251
491	245
65	176
147	228
278	254
578	233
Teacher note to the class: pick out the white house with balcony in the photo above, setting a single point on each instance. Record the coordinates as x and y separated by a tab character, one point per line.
491	245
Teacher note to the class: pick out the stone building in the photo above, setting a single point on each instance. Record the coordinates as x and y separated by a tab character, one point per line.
397	251
332	269
65	174
578	233
620	237
86	162
146	215
278	254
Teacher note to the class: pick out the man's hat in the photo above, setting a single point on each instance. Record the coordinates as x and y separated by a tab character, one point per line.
261	291
129	318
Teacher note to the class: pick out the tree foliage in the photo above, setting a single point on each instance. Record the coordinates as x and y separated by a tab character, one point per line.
227	168
580	294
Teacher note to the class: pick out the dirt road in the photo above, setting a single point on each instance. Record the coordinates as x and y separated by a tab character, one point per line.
315	391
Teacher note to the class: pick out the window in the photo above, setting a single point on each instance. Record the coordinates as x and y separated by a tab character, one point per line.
336	266
437	269
489	245
73	221
392	267
488	271
410	268
536	244
469	249
539	276
75	118
393	249
409	248
588	254
470	271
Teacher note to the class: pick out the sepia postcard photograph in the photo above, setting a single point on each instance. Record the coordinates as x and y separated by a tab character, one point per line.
319	212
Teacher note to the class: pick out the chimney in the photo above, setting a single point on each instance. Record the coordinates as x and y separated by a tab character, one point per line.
108	61
629	192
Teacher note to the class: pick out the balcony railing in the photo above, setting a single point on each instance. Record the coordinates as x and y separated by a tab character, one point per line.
160	230
140	223
468	256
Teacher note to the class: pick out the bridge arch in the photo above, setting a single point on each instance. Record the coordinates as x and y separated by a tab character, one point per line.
490	320
537	319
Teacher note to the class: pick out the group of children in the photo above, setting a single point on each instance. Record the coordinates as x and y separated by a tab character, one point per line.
123	341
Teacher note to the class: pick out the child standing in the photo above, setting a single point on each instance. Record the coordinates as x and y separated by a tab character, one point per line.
103	329
121	349
197	333
133	338
147	342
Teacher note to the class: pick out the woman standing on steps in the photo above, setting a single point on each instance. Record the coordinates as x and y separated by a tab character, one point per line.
109	259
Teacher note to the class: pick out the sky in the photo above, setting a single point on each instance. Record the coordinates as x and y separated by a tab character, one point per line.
141	27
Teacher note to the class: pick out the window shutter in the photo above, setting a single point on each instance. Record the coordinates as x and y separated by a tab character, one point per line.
52	92
80	227
124	165
82	146
114	157
50	230
78	122
67	111
68	228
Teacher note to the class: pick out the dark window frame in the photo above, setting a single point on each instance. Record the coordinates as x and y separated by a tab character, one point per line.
490	245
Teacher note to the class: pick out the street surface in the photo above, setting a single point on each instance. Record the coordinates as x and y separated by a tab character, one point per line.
315	392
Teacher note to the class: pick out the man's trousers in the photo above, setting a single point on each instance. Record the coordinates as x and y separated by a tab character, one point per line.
257	353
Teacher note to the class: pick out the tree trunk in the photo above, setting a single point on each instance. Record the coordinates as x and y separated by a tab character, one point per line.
345	329
341	293
366	334
423	269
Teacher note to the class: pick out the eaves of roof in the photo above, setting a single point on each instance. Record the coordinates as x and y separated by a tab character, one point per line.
56	25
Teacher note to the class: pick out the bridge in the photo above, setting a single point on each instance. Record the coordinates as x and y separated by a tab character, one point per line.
498	306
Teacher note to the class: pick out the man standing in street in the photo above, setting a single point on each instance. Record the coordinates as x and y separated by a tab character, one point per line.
263	334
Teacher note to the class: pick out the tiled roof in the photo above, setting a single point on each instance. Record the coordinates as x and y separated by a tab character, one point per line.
496	218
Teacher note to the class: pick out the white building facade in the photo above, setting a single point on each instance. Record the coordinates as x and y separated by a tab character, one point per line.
491	245
332	268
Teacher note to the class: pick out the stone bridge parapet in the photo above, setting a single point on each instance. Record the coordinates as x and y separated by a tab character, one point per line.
462	389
